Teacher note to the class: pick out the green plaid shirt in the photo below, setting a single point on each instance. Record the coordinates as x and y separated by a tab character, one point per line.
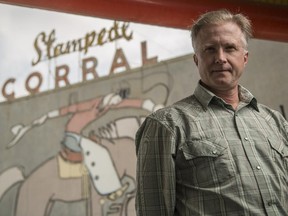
200	157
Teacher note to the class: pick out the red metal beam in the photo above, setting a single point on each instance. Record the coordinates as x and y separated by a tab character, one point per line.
270	21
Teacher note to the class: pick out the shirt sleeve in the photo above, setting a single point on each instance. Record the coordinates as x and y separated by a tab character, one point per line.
155	178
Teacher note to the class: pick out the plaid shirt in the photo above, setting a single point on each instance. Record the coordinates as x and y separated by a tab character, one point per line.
201	157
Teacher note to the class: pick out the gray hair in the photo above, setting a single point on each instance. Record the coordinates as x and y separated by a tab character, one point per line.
218	17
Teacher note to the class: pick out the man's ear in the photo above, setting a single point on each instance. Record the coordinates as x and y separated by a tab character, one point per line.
195	59
246	58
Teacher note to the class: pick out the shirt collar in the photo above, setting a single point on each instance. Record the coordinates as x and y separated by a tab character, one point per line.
204	96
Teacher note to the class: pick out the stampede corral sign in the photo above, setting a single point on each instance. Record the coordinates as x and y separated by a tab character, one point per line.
47	48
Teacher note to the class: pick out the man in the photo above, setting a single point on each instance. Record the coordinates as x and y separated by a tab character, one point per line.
217	152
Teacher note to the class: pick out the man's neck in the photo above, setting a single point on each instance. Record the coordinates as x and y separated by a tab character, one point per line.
230	96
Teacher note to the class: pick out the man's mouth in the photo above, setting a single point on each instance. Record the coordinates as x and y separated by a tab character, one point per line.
222	70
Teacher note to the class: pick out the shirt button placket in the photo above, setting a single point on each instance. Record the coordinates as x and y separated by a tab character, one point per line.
271	202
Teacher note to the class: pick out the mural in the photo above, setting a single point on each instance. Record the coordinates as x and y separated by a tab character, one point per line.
91	167
71	152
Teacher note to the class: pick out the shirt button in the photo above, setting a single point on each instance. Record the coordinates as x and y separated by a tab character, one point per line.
258	167
272	202
214	152
246	138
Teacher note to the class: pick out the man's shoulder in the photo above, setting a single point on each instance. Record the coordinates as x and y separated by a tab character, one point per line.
269	113
188	106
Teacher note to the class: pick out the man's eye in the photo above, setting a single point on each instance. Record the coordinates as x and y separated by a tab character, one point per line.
230	48
209	49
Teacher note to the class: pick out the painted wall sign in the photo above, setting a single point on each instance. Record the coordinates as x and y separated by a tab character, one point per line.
53	49
34	80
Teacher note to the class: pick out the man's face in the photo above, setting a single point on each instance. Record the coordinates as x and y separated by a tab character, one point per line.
220	56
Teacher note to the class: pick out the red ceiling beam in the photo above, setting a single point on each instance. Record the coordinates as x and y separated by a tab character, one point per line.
270	21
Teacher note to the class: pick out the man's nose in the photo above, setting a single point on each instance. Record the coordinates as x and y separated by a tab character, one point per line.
220	56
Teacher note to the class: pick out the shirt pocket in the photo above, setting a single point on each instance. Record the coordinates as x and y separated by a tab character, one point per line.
279	154
205	163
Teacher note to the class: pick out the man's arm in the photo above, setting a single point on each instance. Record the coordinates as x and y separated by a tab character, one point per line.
155	170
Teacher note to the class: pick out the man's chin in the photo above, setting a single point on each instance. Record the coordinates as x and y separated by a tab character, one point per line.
220	83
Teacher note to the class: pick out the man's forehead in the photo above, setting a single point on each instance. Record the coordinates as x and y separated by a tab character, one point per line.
227	34
222	29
